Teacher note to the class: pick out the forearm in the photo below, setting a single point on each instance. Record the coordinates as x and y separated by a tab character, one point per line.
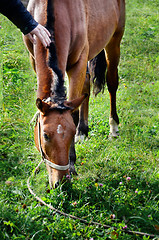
15	11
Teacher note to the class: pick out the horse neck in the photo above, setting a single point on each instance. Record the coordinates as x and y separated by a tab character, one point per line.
43	72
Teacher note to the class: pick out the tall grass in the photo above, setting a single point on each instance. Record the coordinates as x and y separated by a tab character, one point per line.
118	180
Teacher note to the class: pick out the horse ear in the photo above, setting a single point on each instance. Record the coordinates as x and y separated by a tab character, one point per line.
42	106
74	104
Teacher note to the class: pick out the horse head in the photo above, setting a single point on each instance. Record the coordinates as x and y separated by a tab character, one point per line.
54	133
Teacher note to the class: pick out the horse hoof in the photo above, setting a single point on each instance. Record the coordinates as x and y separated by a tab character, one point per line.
72	170
79	138
114	132
113	135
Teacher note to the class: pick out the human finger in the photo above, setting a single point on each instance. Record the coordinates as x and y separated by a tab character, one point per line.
47	31
45	37
43	34
31	38
43	40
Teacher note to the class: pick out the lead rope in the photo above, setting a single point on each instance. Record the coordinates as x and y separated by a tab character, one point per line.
77	218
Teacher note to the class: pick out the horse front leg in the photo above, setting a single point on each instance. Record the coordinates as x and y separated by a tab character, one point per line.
29	46
76	75
82	128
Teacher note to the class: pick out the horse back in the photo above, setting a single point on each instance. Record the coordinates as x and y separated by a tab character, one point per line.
105	18
81	22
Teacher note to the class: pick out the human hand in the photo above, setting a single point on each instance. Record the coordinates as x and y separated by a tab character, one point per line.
42	33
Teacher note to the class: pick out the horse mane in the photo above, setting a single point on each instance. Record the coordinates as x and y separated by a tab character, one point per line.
58	90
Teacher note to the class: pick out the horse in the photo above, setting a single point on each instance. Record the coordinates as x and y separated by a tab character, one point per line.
82	31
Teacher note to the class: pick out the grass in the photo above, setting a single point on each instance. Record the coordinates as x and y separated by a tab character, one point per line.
118	180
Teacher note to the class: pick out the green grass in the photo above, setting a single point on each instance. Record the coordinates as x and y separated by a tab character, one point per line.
101	192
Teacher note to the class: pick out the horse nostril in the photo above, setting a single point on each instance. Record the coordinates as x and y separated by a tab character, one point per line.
56	184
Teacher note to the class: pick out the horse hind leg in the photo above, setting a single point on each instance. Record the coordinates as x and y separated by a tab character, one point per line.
112	58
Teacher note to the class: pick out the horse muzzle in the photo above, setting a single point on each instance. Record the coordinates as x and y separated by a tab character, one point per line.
56	176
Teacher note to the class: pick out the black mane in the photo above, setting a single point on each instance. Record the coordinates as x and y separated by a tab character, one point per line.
59	90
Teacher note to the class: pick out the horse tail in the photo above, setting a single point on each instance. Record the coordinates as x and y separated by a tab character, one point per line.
97	68
59	90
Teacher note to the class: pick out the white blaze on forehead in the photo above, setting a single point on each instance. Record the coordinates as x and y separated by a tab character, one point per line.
60	129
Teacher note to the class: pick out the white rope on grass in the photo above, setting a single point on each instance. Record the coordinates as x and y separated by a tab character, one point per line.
77	218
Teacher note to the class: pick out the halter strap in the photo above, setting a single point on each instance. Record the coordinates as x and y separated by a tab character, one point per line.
51	164
55	166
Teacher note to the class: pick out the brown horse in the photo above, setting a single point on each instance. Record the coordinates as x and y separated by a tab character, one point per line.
80	30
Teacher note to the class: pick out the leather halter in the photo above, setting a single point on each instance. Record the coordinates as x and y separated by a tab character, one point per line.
51	164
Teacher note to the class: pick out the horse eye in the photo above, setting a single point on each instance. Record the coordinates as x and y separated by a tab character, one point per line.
46	137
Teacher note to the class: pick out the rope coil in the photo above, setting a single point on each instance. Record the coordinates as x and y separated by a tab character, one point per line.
151	236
